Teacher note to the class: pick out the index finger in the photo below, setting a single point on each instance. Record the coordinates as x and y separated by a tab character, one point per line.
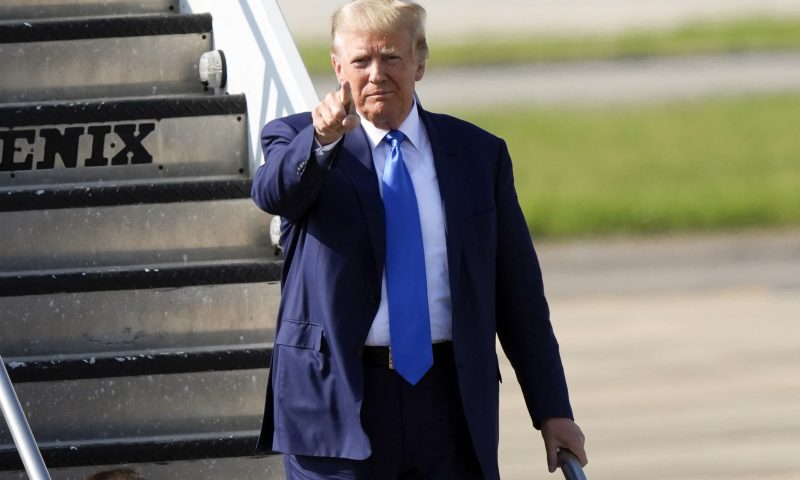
346	96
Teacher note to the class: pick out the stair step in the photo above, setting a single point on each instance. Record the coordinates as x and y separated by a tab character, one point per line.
134	363
241	468
123	140
139	234
102	57
53	30
104	195
145	405
173	275
37	9
119	109
144	450
89	323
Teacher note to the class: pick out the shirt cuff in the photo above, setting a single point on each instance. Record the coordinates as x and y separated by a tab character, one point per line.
323	153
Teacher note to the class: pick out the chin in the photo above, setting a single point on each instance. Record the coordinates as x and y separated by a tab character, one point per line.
380	113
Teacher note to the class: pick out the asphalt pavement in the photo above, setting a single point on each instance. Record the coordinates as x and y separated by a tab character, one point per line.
632	81
682	355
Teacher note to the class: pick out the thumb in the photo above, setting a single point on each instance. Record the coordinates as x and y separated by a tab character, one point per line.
350	122
552	457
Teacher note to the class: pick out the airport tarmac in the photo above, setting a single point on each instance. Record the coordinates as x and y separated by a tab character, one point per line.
682	356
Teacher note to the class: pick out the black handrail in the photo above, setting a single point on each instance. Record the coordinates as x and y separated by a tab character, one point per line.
570	465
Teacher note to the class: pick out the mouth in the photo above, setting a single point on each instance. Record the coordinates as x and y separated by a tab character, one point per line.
380	94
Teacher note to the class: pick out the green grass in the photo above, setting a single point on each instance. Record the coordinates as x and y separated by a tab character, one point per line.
697	38
714	164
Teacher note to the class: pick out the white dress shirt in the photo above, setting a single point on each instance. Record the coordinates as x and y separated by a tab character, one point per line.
418	157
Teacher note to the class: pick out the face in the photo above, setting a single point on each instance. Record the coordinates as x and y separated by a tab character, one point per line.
382	70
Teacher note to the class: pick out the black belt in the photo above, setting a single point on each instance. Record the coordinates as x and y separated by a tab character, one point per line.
382	356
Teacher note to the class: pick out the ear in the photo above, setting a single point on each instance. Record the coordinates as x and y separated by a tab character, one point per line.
420	71
337	67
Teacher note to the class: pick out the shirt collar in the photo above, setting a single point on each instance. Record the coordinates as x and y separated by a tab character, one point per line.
410	127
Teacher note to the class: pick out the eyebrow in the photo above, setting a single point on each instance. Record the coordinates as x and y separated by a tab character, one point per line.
367	53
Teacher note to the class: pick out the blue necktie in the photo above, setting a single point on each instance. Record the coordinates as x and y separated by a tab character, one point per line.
409	319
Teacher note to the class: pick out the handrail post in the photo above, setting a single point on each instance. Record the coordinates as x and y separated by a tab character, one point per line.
20	430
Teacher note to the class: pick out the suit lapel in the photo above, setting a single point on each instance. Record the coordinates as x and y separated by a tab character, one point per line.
355	161
450	177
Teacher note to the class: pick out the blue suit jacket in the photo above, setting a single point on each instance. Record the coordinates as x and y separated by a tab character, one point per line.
333	236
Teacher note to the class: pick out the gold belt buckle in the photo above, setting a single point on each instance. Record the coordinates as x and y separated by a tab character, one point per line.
391	364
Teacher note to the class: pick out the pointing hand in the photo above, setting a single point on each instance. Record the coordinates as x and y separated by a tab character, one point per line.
335	115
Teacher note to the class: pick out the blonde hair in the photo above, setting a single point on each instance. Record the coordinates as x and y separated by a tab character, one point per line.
382	16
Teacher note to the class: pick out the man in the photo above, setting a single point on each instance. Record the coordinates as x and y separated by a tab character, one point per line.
406	253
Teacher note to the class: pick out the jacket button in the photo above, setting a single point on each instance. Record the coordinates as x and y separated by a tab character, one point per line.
360	350
374	299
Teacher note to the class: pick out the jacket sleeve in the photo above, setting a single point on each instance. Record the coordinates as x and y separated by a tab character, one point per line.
523	316
290	179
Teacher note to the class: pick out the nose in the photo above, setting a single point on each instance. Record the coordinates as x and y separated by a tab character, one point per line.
376	72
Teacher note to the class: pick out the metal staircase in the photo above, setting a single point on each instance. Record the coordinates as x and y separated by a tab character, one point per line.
138	283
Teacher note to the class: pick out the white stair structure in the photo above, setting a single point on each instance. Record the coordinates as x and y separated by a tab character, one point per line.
138	282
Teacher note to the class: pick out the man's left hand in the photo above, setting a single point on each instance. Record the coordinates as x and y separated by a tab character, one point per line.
562	433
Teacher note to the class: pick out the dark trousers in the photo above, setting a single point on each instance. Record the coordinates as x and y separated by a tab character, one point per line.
417	432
